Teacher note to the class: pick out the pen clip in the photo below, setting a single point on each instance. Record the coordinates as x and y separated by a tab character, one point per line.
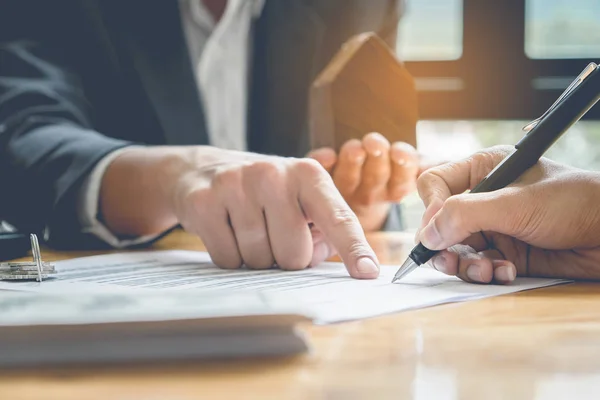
591	67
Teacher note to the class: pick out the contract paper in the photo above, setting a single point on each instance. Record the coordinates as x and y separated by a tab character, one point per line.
326	293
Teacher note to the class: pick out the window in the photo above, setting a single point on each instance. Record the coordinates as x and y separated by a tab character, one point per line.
453	140
562	29
491	59
484	68
431	30
456	139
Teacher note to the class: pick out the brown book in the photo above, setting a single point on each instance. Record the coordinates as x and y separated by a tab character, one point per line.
364	88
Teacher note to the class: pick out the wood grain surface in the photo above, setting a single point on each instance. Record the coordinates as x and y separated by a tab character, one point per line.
540	344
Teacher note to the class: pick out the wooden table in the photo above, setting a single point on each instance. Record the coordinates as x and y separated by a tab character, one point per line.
538	344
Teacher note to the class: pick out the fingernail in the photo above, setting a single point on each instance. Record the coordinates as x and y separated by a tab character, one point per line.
365	265
376	153
439	263
505	273
430	237
401	162
320	253
474	273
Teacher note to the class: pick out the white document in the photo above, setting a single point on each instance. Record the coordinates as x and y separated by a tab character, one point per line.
325	293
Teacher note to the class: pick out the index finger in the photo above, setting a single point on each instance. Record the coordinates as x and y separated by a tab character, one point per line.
439	183
324	205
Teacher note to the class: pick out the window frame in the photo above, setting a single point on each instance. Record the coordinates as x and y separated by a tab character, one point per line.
494	78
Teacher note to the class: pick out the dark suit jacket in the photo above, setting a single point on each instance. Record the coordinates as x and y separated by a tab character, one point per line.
81	78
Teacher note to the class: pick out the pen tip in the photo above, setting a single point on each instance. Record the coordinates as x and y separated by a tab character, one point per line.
408	266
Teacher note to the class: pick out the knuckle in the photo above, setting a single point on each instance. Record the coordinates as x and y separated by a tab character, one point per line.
426	180
198	196
343	218
453	209
452	204
227	178
263	175
430	186
481	164
262	169
310	168
198	200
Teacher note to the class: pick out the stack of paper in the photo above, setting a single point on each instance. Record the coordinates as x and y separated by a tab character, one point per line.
177	303
40	329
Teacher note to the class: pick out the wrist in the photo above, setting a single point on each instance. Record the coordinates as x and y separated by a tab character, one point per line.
135	191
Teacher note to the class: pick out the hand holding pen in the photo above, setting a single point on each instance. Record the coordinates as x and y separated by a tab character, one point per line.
546	224
579	97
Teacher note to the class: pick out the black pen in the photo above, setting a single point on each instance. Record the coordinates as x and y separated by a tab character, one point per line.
576	100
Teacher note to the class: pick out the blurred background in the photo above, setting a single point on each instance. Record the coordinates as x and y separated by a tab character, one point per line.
485	68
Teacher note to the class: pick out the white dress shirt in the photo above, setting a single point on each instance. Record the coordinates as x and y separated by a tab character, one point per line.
219	54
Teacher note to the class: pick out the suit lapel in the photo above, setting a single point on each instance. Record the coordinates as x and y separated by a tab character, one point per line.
159	51
286	57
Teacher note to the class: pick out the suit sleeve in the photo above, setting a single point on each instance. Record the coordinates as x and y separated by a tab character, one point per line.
47	143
